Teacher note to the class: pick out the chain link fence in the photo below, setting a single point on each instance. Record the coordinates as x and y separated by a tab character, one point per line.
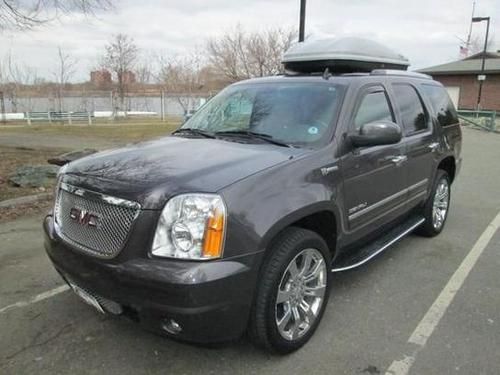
102	104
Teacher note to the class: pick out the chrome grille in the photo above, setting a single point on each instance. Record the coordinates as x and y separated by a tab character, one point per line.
105	234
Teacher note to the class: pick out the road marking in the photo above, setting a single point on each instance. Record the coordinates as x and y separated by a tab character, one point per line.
35	299
431	319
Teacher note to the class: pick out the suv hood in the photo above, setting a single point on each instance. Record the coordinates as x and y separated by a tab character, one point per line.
151	172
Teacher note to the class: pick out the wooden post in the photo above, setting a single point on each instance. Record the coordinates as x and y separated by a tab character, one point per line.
69	118
162	109
89	117
49	117
28	115
2	106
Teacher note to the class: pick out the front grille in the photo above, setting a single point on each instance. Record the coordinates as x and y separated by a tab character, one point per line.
92	222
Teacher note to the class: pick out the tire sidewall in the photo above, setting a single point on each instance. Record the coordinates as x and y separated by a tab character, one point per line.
428	229
279	343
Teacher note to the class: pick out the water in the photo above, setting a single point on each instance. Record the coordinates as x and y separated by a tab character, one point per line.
172	105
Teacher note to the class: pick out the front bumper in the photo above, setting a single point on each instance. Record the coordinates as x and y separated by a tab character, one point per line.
210	300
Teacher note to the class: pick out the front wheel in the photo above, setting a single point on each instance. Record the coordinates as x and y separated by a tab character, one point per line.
292	293
436	208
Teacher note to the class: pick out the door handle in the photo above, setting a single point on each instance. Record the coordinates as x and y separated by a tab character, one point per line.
398	160
433	146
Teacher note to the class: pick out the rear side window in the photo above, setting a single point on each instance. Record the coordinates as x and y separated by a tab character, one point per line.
413	114
441	103
373	107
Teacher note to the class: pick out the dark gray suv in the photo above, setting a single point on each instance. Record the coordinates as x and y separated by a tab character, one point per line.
236	221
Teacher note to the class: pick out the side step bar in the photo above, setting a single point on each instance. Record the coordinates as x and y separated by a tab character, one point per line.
356	258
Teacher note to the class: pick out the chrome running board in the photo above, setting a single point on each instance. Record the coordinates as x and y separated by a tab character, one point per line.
356	258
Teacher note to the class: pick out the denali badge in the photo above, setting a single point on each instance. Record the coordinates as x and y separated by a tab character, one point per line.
84	217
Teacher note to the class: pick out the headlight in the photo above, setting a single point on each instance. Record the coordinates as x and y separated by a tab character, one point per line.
191	226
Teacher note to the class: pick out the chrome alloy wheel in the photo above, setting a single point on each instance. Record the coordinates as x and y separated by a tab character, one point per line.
440	204
301	294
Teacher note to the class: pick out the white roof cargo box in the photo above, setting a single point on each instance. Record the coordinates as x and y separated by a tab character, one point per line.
345	55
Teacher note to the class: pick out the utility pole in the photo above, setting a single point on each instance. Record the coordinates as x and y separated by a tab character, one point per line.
302	21
482	76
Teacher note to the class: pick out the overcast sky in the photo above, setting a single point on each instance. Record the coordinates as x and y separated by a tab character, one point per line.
425	31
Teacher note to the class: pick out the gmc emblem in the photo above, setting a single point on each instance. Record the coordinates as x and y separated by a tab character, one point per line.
84	217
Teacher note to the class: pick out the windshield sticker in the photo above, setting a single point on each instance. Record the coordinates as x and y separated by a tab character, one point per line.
313	130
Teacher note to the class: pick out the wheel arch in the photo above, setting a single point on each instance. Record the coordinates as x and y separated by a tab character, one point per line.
321	218
448	164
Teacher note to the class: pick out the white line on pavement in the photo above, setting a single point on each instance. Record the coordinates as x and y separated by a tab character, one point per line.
431	319
35	299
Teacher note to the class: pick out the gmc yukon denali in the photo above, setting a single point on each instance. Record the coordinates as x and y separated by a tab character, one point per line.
235	222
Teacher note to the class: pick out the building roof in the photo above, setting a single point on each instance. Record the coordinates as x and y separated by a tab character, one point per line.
469	65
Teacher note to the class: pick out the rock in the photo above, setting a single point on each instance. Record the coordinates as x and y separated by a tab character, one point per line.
34	176
70	156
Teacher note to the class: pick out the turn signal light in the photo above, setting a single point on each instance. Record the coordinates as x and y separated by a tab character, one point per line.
214	235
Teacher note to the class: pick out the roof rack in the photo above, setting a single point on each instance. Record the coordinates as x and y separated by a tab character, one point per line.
399	73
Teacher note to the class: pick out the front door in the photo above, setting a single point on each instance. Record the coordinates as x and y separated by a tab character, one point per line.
374	177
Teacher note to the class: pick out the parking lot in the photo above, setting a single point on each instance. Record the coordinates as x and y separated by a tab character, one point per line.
372	314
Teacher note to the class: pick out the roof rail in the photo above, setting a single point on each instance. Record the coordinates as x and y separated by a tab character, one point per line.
399	73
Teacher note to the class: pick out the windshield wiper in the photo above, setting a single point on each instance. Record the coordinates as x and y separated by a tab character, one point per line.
194	131
262	136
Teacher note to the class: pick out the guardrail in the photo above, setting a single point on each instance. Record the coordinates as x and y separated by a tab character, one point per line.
482	119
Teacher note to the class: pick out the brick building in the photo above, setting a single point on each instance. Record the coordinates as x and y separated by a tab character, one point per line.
461	79
100	78
128	77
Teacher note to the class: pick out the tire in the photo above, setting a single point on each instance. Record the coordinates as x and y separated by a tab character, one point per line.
432	226
292	246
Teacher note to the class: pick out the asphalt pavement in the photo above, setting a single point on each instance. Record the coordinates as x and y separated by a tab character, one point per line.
367	327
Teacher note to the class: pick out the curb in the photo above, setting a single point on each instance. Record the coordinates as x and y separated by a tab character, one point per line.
10	203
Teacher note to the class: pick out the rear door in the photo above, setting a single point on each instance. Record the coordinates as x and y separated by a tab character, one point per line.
374	177
414	118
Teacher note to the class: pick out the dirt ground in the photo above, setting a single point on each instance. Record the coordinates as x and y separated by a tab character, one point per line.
13	157
27	210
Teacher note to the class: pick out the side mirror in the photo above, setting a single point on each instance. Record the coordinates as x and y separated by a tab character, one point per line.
377	133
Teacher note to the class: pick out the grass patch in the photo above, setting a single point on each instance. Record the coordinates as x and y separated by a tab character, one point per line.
123	131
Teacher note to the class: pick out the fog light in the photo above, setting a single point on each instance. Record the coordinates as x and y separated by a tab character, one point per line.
171	326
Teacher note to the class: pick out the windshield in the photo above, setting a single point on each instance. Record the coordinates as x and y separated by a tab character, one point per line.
300	114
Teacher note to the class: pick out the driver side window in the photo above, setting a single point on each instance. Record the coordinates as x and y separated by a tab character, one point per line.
374	106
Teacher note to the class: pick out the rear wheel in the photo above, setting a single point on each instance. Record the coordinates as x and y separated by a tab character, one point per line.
436	208
292	293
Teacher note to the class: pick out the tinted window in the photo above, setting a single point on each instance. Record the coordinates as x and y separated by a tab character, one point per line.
410	107
374	107
442	104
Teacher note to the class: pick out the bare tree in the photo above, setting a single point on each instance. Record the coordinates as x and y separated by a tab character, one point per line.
181	76
22	15
477	44
13	77
66	65
240	55
144	68
120	58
